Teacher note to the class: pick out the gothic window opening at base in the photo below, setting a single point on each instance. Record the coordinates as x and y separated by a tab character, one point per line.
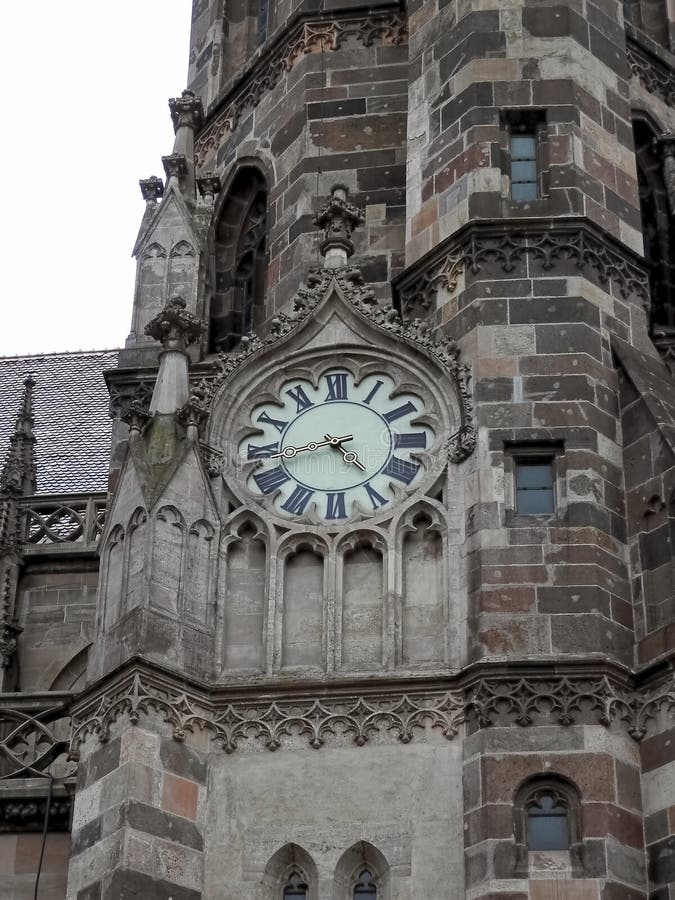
239	261
547	811
296	887
365	888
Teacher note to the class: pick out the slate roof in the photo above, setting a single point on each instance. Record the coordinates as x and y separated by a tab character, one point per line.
72	426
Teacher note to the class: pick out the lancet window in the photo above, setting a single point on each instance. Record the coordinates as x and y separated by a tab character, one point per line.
239	260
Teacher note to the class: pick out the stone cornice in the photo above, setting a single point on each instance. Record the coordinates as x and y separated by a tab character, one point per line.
653	66
304	35
511	244
398	709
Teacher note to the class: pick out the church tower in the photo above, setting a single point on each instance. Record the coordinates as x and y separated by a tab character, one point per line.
386	585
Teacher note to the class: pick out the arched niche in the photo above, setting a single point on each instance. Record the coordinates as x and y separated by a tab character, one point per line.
136	559
245	596
659	243
152	276
303	603
181	269
361	623
362	866
73	675
290	864
199	572
239	260
168	550
113	576
424	600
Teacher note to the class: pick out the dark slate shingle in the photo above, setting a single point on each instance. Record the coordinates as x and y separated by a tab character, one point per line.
72	425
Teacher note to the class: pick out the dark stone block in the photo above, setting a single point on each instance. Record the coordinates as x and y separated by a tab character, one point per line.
504	859
568	339
494	389
91	892
86	836
336	108
582	599
162	824
290	132
655	548
105	759
126	884
183	761
376	177
476	95
555	21
608	52
593	859
655	752
536	310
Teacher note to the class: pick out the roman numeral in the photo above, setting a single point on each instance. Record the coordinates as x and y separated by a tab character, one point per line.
337	386
400	411
300	397
375	498
298	500
268	420
412	439
272	479
336	506
401	469
377	386
255	452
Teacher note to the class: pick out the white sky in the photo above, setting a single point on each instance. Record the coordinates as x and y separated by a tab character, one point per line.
85	116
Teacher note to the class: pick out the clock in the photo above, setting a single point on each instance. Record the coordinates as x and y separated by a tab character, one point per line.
336	448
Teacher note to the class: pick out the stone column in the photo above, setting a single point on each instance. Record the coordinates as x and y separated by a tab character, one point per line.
139	817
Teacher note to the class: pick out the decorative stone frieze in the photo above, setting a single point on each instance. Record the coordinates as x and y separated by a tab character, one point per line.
391	711
305	38
655	75
512	247
28	813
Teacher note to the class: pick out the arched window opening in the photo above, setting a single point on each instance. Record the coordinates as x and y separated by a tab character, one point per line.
659	245
547	813
365	887
547	821
295	888
240	261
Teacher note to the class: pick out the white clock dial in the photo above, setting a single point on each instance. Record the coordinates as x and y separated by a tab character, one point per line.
337	447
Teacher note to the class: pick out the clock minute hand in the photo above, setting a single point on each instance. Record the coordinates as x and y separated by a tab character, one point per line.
289	452
349	456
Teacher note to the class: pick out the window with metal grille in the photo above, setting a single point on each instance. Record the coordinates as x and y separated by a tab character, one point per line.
524	167
534	487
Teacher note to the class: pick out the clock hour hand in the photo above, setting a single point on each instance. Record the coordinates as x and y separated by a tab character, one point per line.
290	452
349	456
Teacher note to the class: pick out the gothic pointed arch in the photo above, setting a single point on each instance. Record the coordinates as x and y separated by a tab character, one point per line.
239	260
291	872
362	872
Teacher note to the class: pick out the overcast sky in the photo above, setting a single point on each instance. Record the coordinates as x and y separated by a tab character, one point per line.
84	117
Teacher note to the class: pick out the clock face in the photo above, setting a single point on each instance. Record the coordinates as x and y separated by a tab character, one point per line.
336	449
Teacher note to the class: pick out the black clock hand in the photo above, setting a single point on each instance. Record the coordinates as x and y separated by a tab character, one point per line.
349	456
290	452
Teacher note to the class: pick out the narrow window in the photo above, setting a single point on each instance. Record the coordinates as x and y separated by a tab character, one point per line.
262	21
365	887
534	487
296	887
524	166
547	821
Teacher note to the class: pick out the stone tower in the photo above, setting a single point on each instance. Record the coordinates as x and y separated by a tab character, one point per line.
386	587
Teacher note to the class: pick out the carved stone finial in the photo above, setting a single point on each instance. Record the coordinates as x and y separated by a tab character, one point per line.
18	476
152	189
175	165
209	185
174	326
186	111
338	218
